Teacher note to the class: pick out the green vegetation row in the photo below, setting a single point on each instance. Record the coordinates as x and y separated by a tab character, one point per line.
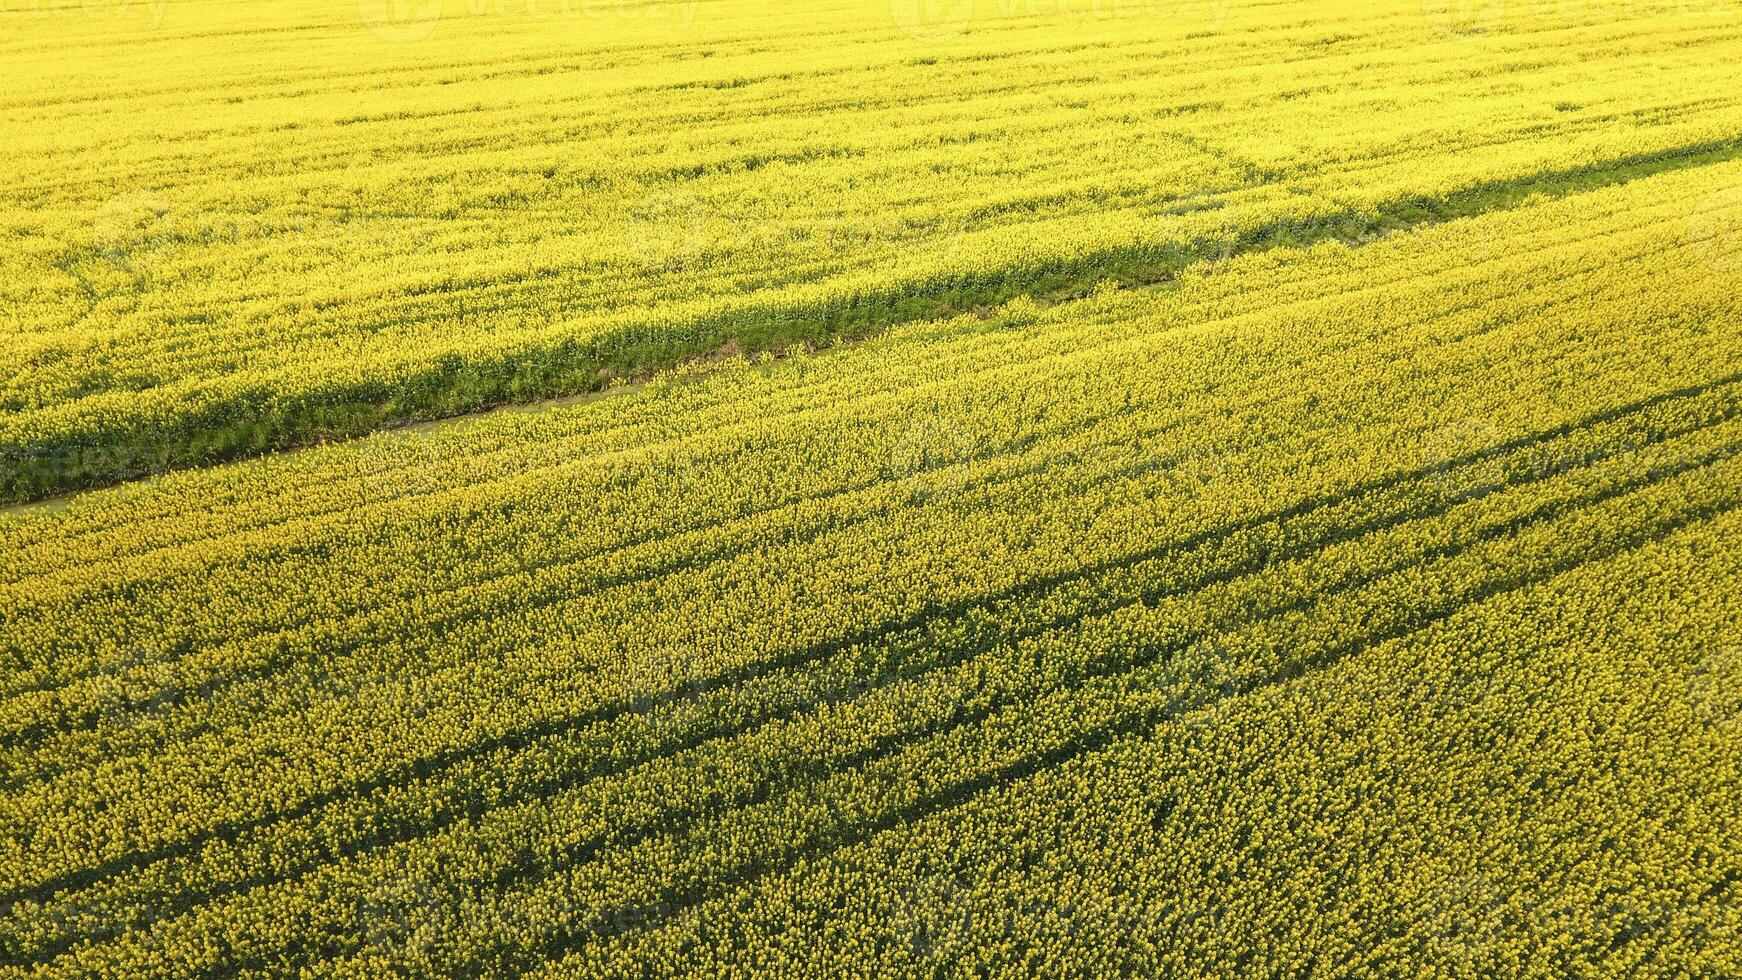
222	249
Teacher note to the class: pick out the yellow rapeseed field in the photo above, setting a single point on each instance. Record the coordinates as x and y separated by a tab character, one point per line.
235	226
1087	488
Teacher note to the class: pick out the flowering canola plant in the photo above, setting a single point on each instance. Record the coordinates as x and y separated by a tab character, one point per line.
239	227
1356	607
